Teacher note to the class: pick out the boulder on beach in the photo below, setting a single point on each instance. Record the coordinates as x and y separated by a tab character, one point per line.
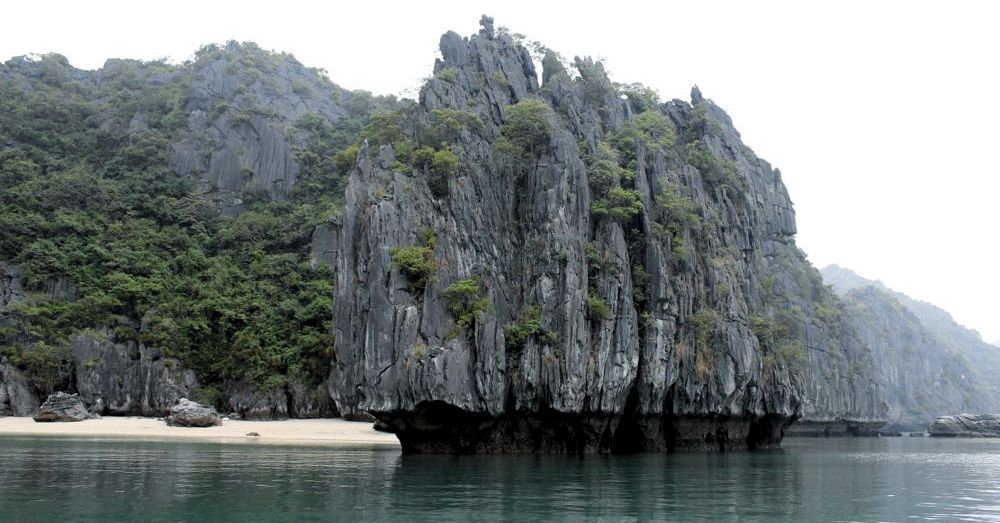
186	413
967	426
63	407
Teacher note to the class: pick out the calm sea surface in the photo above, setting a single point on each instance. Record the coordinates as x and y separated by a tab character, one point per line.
890	479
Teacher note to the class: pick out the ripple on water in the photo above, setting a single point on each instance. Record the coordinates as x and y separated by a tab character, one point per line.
892	479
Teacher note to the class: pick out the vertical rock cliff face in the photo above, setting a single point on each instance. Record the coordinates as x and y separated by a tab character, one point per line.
655	330
127	378
16	396
927	365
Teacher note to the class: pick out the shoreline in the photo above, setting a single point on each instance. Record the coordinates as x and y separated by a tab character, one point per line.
330	432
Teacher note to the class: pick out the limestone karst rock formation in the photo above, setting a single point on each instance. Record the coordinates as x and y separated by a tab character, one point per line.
655	330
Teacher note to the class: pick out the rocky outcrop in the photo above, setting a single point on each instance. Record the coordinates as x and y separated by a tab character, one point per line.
310	401
242	104
295	400
16	397
186	413
128	378
248	402
63	407
966	426
323	247
927	364
10	284
654	332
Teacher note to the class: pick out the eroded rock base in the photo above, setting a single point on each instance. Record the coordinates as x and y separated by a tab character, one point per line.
439	428
833	429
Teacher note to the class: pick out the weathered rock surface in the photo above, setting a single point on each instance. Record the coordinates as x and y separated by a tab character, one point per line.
967	426
127	378
295	400
928	365
16	396
835	428
10	284
63	407
678	360
186	413
242	105
324	244
310	401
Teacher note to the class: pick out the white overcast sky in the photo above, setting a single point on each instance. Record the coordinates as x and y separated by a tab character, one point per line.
882	116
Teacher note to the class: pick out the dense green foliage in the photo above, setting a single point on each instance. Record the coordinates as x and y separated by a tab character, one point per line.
715	171
448	124
417	263
605	174
87	201
597	307
640	97
779	335
466	302
526	128
603	170
619	204
529	324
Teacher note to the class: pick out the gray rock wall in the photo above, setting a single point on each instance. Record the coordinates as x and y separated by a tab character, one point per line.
679	367
16	396
116	378
294	400
323	247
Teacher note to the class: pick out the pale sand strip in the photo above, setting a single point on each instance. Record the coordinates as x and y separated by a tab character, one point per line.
330	432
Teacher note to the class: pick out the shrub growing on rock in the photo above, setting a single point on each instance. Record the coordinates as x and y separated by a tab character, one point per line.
598	308
620	204
417	263
528	325
526	129
716	172
465	301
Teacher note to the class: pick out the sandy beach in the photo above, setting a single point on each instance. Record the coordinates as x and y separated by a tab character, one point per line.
324	432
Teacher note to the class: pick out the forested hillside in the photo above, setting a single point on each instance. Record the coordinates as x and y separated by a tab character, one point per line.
172	207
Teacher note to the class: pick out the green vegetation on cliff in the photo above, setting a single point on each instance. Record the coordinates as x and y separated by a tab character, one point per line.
88	200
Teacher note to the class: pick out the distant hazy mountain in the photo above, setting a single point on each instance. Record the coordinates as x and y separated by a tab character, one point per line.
929	364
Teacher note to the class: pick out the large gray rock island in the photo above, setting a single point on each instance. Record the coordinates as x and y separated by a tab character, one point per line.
528	302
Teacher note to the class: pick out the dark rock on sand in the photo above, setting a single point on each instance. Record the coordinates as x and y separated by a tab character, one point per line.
63	407
186	413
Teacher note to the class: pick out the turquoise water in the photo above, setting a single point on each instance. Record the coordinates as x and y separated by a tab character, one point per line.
889	479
